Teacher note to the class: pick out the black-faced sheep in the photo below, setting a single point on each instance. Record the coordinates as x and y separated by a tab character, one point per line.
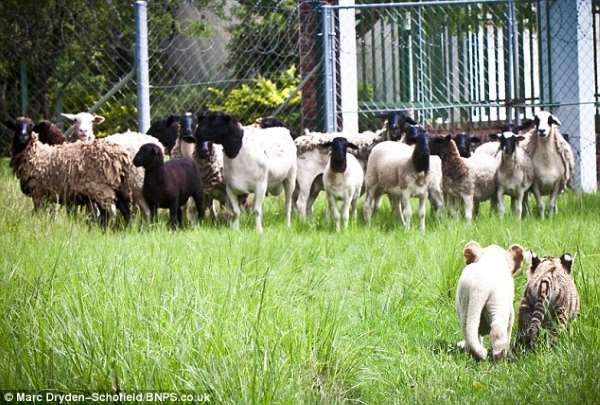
168	184
342	180
70	173
464	143
166	130
515	172
404	171
255	161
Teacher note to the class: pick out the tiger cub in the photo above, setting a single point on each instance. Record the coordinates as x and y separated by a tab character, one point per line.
550	296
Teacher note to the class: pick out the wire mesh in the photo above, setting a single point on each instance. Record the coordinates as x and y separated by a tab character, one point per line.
64	57
242	58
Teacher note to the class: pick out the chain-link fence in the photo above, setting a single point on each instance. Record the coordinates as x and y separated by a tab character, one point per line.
464	65
315	64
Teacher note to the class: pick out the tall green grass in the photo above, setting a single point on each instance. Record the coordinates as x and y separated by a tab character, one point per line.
294	315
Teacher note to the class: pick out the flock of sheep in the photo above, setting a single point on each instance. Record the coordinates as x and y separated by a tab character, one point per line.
218	162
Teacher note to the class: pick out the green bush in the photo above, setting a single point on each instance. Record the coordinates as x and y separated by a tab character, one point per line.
261	97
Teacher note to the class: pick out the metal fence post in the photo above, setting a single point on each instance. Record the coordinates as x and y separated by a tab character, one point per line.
141	60
329	66
510	79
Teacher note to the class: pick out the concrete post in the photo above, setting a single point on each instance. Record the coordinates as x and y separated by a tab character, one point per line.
141	61
348	67
568	79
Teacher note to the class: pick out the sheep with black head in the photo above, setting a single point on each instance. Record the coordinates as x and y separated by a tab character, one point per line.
515	172
168	184
255	160
342	180
464	143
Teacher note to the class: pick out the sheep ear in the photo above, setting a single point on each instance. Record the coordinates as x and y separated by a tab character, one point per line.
472	252
517	255
567	261
566	137
70	117
98	119
494	137
326	145
352	146
475	139
10	124
520	138
554	120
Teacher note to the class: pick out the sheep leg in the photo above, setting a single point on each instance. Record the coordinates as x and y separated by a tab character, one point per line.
468	201
500	198
174	213
517	203
335	213
406	209
122	204
315	188
422	211
554	197
538	199
436	199
369	204
346	209
353	204
259	196
235	207
396	207
198	198
288	185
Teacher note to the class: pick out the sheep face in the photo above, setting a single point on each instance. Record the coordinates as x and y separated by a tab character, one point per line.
463	143
397	123
188	126
217	127
166	130
23	126
508	141
83	125
149	156
203	149
339	147
544	122
441	146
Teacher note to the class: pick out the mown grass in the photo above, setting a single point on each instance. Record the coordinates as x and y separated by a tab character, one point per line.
295	315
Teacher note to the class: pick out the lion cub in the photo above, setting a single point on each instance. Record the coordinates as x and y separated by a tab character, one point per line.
484	297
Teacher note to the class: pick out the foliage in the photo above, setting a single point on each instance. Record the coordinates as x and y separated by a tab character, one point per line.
300	315
264	38
261	97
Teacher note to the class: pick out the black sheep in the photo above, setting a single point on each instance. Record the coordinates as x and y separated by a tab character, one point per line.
166	130
169	184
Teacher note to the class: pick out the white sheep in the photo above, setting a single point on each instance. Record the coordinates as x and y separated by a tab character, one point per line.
485	295
131	142
553	160
515	172
312	160
404	171
256	161
342	180
470	180
83	125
